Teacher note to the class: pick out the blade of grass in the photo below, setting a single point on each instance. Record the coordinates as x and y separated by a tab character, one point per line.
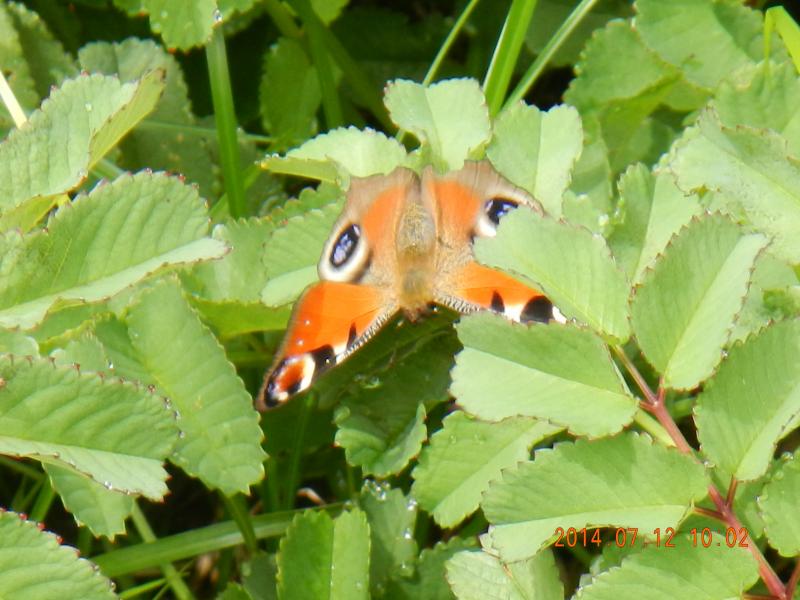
10	100
197	541
364	89
238	510
142	589
506	53
225	117
171	574
297	451
199	131
282	19
331	105
449	40
547	53
44	500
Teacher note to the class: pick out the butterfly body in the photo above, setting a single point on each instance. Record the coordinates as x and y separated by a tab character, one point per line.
402	243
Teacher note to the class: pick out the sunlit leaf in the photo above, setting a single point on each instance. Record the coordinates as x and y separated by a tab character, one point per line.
751	401
626	481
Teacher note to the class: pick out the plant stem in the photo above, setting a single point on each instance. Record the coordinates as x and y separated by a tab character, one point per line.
10	100
238	510
282	18
171	574
44	501
793	581
547	53
331	105
448	41
297	450
506	53
655	405
225	117
707	512
196	541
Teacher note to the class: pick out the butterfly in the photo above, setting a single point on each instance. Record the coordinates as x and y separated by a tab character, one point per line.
403	242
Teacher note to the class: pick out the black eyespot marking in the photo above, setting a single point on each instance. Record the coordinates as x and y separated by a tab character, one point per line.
497	207
537	309
323	358
345	245
498	305
352	335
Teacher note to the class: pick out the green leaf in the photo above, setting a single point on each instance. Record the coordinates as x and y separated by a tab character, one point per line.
570	265
392	517
35	565
116	433
764	96
625	481
48	62
428	581
166	138
243	271
481	576
465	456
382	423
537	151
289	94
291	254
683	310
751	401
778	503
80	122
339	154
688	571
652	209
13	341
559	373
102	243
182	25
338	566
750	169
221	441
449	118
102	510
706	39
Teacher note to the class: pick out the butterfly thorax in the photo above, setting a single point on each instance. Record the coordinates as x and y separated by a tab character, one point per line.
415	246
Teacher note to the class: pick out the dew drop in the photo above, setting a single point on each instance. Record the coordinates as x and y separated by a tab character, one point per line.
107	485
217	16
88	107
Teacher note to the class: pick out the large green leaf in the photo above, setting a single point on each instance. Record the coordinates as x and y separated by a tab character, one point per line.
289	94
428	581
291	254
624	481
481	576
560	373
571	266
340	153
166	138
338	566
752	401
392	517
101	244
116	433
652	209
763	96
93	505
35	565
465	456
689	571
450	118
750	169
221	441
182	24
76	126
706	39
382	423
778	503
537	150
683	309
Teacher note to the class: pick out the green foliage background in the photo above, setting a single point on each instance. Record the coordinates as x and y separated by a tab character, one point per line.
169	172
